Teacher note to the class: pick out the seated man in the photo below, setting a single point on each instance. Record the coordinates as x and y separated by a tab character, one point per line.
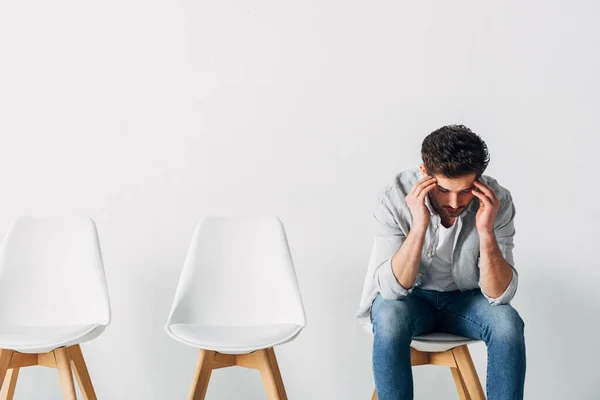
442	261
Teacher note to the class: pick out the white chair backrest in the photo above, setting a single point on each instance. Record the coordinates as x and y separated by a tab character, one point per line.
238	272
51	274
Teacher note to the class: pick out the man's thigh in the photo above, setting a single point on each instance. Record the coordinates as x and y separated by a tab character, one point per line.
412	314
471	315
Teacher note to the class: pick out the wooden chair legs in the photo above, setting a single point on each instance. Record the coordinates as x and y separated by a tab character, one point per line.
460	384
461	365
6	374
63	365
467	372
271	376
204	369
374	397
65	359
262	360
10	384
81	373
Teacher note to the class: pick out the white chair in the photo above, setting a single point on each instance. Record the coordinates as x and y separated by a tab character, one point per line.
450	351
53	296
238	296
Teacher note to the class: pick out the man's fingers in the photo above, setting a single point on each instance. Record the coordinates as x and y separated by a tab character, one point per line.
425	188
489	192
419	186
419	182
483	198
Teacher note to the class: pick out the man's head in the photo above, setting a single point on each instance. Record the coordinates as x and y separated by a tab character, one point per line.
456	157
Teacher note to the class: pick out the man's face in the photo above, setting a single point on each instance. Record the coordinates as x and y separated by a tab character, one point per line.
452	195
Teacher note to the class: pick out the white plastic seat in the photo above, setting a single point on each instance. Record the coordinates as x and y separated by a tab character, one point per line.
439	342
238	293
42	339
53	296
237	339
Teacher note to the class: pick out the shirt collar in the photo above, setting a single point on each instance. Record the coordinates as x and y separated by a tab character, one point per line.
429	206
474	206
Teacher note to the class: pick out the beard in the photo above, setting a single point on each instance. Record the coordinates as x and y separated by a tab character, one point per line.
444	211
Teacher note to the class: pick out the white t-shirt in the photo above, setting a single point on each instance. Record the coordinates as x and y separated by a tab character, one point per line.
439	274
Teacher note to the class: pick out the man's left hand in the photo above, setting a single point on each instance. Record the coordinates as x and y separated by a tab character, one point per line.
488	208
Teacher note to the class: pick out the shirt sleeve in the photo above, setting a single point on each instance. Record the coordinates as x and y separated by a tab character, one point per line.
508	294
388	239
505	233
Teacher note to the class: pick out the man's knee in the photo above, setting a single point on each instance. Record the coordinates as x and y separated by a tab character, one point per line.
507	325
392	320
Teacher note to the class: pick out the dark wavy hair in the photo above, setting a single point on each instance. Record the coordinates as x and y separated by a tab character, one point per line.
454	151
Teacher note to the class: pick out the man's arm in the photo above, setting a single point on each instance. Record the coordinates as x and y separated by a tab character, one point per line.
495	225
405	263
496	273
398	255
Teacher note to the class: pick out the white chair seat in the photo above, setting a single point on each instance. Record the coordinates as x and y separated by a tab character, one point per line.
439	342
234	339
42	339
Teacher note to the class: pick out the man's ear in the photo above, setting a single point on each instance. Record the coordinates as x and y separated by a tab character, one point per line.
423	170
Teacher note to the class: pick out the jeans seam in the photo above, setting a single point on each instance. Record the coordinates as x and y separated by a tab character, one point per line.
463	318
481	328
412	328
371	309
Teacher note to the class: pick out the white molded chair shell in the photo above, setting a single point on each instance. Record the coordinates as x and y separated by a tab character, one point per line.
53	290
238	290
439	342
436	342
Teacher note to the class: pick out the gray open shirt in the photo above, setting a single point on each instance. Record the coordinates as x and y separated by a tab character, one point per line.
393	221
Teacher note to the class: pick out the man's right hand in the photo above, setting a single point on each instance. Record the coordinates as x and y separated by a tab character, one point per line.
416	202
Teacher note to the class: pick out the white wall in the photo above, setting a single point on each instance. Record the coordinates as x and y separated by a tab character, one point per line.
150	115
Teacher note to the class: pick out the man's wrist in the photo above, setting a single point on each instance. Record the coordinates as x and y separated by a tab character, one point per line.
418	231
487	238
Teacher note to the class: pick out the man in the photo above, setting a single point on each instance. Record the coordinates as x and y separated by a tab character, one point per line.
442	261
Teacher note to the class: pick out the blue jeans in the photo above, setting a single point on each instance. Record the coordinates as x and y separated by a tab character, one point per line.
467	314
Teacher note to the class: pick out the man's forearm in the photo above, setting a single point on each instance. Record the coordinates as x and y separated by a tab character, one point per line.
495	272
405	263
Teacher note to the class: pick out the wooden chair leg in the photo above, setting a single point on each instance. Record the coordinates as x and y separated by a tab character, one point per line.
460	385
468	373
262	360
271	376
63	363
461	365
201	375
81	372
10	384
5	357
